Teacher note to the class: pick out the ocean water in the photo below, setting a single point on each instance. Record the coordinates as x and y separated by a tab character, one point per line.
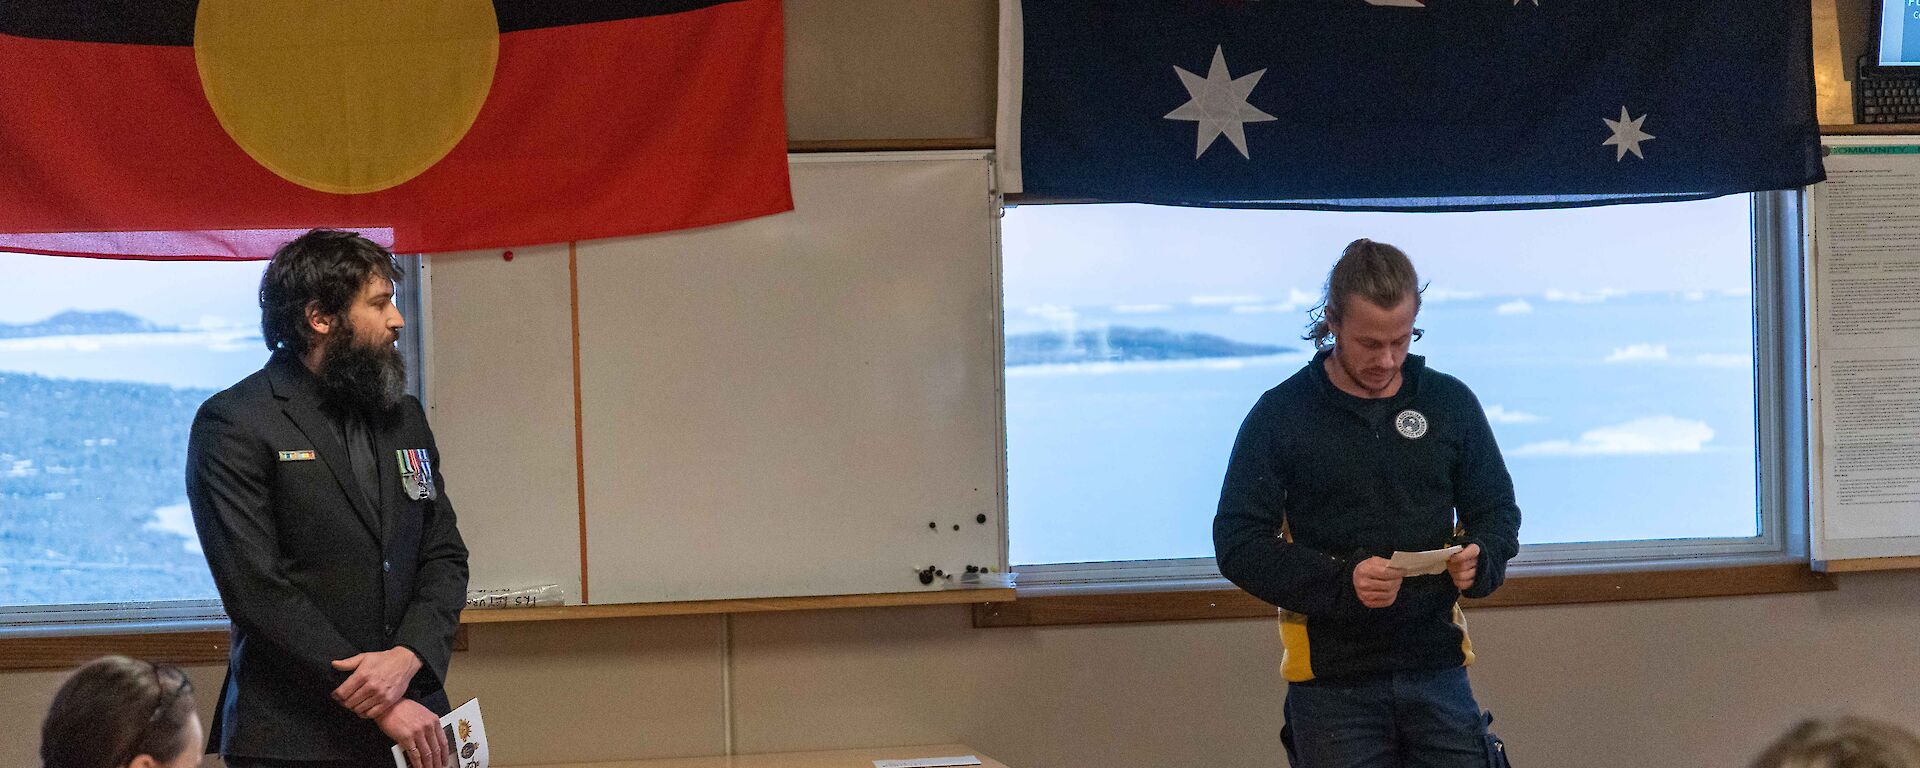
1621	417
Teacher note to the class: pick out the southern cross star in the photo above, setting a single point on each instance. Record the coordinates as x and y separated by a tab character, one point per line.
1219	104
1626	135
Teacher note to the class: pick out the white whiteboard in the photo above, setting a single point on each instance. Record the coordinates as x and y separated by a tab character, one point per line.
772	408
1864	398
500	388
782	406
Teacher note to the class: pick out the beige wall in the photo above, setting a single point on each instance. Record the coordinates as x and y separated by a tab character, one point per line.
890	69
1690	682
1685	682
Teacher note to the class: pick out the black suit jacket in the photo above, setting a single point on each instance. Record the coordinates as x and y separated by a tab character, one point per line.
310	570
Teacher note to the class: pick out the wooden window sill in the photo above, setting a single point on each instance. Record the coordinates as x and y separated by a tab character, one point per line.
992	608
200	647
210	646
1519	590
748	605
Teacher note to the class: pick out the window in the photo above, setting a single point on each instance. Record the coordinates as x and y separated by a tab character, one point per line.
103	364
1615	349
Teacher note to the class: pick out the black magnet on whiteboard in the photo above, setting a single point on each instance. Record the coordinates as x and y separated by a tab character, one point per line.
980	518
956	526
973	569
932	526
926	575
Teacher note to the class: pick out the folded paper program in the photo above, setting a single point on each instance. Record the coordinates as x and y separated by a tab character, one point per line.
1423	563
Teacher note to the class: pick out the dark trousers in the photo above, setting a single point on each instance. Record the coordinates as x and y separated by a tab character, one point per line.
1415	719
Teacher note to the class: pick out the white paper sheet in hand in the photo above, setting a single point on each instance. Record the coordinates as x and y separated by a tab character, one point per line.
466	738
1423	563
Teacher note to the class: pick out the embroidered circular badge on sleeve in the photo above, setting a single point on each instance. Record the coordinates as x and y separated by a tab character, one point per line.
1411	424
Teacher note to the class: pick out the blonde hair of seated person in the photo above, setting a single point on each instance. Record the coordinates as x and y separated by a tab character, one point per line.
1846	742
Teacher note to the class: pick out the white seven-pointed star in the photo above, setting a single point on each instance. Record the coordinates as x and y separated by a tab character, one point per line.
1219	104
1626	135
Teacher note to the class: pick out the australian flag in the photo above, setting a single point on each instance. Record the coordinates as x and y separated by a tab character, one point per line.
1412	105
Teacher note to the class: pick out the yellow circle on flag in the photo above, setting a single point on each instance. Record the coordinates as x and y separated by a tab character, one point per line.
346	96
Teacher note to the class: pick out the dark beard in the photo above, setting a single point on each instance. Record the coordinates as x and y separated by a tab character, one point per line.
361	380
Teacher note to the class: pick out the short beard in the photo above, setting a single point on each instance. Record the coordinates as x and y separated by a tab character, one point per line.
368	381
1353	376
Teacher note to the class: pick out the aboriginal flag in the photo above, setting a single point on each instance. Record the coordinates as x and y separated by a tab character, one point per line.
219	128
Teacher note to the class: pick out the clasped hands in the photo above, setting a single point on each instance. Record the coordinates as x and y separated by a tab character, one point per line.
376	689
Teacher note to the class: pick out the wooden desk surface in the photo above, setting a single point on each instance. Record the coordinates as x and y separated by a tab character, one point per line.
843	758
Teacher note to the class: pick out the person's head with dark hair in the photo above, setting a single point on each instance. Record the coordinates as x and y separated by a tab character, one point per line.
117	712
1847	742
1366	315
327	298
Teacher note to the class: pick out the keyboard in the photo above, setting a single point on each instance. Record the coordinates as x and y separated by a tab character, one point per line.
1886	98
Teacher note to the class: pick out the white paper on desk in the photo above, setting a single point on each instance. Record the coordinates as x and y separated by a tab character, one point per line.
1423	563
466	738
928	762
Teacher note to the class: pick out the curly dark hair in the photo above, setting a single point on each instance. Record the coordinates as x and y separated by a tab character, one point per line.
324	267
114	709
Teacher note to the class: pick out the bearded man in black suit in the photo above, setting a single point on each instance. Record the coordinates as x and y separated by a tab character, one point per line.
316	491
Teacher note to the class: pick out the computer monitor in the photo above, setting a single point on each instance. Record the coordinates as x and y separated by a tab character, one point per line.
1898	44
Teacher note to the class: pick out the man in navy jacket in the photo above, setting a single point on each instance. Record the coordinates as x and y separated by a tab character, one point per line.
1363	452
